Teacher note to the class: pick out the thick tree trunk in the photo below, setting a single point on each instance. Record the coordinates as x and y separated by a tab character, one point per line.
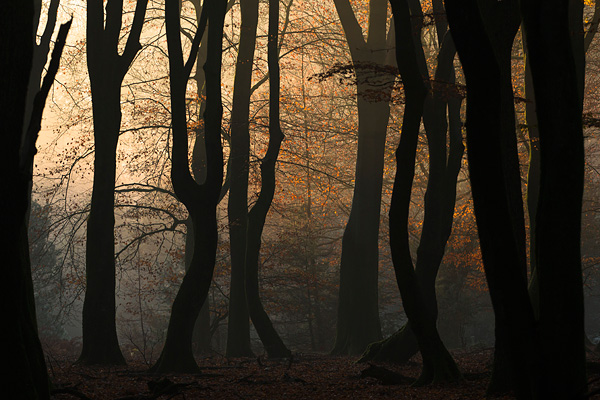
200	200
490	119
28	377
557	80
358	315
238	327
100	343
107	69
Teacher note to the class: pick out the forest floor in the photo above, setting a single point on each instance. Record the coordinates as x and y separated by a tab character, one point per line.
307	376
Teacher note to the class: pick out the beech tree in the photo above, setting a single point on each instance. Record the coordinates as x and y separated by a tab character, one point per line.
238	331
546	358
106	68
199	199
358	321
28	379
442	123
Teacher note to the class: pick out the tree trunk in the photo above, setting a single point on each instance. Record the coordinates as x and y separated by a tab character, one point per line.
107	69
490	121
438	364
441	114
358	321
256	218
238	327
557	79
199	199
28	377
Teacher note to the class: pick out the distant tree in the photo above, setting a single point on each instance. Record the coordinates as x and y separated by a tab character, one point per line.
106	68
358	321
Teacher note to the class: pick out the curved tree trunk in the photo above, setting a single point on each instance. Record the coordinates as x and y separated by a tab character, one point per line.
256	218
441	114
438	364
200	200
494	183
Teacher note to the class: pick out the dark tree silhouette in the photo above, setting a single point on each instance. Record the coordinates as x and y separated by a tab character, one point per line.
545	358
256	217
199	199
27	378
557	73
106	68
238	327
441	119
438	364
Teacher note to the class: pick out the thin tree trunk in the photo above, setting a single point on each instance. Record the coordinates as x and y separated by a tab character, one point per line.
238	327
438	364
256	218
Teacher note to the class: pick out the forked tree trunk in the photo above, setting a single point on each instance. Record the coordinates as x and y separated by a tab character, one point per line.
200	200
438	364
441	114
107	68
358	321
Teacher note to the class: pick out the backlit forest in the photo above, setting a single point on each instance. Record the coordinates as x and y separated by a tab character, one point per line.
201	185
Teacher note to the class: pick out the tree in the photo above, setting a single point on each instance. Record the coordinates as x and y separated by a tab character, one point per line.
438	364
28	378
358	315
238	331
106	68
200	199
558	91
442	123
257	215
545	358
